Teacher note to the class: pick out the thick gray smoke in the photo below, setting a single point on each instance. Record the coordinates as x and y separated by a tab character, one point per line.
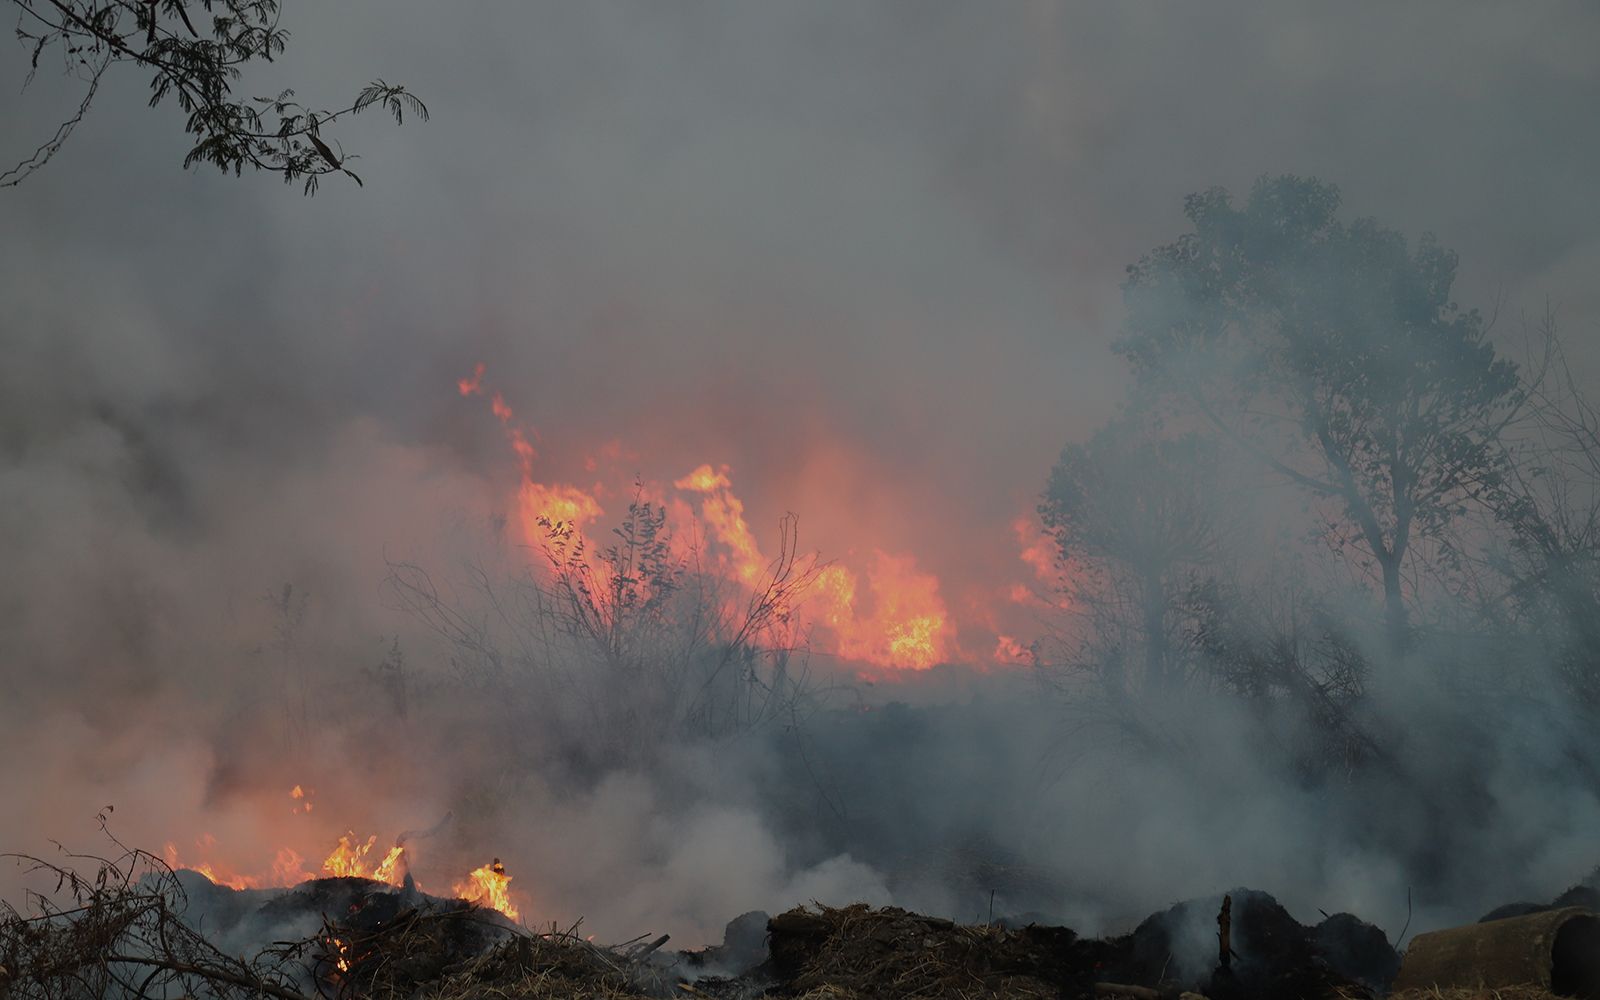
854	251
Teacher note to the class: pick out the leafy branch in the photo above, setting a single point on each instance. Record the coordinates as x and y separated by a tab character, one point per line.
199	71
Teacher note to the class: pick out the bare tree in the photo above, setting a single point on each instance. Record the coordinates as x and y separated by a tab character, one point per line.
620	650
1132	513
1548	500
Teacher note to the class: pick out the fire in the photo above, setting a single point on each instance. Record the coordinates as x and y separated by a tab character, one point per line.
352	858
908	625
349	859
489	886
723	513
1009	650
1038	549
286	867
339	952
473	386
390	869
542	507
888	613
545	507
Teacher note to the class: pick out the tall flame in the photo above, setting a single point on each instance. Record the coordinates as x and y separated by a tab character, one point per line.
489	886
723	514
889	613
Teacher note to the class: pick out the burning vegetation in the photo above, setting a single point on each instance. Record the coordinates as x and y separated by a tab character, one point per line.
884	615
352	857
129	926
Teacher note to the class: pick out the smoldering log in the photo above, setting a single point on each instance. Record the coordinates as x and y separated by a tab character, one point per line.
1142	992
650	949
1557	949
1129	990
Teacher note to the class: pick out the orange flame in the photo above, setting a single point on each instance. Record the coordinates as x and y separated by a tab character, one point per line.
390	869
340	954
351	857
566	506
908	626
349	860
889	614
1009	650
723	513
286	868
1038	548
489	886
541	506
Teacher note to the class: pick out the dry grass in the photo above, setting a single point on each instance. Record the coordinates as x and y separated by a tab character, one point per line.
1528	992
543	970
417	959
856	951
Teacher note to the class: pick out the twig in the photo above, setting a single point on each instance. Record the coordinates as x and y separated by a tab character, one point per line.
1402	937
212	973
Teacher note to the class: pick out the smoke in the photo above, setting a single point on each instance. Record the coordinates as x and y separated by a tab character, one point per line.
868	259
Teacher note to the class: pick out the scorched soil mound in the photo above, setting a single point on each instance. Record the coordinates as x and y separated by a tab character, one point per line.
857	951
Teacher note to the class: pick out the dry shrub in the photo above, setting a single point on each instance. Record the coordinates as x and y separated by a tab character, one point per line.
1530	991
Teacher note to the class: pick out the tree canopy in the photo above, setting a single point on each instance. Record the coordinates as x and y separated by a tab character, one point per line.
1127	505
1333	352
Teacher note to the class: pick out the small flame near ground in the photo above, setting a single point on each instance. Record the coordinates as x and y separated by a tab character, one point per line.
339	952
351	857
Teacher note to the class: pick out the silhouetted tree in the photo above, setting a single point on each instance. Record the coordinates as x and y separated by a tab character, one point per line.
1135	510
1548	502
197	65
1332	352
